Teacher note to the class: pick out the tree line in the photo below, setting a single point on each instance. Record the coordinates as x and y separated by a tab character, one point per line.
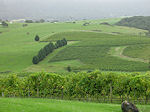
47	49
77	85
141	22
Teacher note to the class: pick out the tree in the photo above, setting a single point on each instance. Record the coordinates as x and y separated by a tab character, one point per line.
69	69
51	47
41	55
42	20
28	21
149	63
4	24
65	41
37	38
35	60
56	45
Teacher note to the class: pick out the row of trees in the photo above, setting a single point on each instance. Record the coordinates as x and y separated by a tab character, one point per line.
81	85
142	22
37	21
47	50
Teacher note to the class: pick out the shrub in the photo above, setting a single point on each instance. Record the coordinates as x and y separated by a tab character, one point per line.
35	60
37	38
69	69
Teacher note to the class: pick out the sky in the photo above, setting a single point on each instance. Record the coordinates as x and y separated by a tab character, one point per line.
76	9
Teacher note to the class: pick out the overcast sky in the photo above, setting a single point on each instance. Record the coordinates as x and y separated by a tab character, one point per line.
15	9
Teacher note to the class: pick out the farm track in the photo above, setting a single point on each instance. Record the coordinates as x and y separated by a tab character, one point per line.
118	52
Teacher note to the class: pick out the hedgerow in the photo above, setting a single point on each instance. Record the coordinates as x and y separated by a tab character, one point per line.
77	85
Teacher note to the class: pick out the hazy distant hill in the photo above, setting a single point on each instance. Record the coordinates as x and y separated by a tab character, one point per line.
136	21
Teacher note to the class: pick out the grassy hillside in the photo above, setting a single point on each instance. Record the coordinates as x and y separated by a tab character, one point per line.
92	50
17	45
47	105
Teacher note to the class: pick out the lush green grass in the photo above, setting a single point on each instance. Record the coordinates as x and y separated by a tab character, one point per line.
17	47
138	51
48	105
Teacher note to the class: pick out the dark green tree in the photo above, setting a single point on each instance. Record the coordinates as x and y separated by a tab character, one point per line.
37	38
51	47
56	45
42	20
60	44
29	21
35	60
41	55
69	69
65	41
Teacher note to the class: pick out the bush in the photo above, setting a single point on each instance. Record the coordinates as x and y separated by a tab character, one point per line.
37	38
35	60
29	21
69	69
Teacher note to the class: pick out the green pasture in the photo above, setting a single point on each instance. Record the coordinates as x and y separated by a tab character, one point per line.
48	105
17	45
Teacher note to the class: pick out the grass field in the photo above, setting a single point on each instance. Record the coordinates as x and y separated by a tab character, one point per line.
17	46
48	105
138	51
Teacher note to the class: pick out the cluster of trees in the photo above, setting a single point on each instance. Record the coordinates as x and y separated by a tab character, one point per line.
47	50
105	23
141	22
40	21
37	21
29	21
60	43
86	24
81	85
4	24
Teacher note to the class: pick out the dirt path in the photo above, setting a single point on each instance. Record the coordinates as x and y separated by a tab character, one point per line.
118	52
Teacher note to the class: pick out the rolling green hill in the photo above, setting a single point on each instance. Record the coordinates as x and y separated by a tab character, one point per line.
88	47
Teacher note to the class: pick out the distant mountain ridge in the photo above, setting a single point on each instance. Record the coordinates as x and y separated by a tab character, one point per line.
141	22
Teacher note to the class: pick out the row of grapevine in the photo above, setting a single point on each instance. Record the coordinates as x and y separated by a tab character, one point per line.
77	85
